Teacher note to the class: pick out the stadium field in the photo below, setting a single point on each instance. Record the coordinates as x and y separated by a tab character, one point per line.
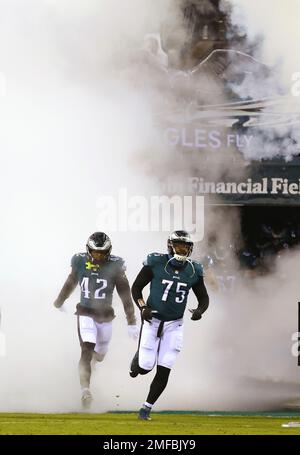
162	423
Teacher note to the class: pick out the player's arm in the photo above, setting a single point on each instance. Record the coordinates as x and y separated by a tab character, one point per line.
144	277
123	290
67	289
141	281
200	292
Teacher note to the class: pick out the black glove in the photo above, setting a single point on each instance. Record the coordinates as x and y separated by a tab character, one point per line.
146	313
196	314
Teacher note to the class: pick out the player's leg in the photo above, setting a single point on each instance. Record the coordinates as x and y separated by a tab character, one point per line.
157	387
169	348
171	343
145	357
135	369
87	333
104	333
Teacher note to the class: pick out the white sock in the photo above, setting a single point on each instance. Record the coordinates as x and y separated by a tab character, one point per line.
84	389
148	405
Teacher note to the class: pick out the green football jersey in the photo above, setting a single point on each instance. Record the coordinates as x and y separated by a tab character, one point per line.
97	282
170	285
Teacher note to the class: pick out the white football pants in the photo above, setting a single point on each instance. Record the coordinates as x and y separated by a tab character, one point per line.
162	350
99	333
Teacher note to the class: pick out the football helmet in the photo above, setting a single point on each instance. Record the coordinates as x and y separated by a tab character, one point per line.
98	247
180	245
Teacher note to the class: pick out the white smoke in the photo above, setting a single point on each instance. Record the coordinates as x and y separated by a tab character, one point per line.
277	25
71	132
273	33
245	359
73	129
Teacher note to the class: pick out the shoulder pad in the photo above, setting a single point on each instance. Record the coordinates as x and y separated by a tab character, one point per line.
118	261
153	258
157	254
76	259
197	263
198	267
113	258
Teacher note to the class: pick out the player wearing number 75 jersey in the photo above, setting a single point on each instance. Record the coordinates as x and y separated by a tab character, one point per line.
171	276
98	273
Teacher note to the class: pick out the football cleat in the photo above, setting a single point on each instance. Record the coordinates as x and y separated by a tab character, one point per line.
134	366
86	399
144	413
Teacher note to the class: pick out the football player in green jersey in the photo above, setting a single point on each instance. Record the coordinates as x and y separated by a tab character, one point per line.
98	273
171	276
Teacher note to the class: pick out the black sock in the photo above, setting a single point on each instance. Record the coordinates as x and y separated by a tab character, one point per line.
158	384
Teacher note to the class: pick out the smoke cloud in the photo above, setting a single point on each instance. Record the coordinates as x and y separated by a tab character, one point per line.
71	131
77	124
278	136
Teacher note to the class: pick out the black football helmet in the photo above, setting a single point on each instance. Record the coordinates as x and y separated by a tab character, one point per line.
175	242
98	247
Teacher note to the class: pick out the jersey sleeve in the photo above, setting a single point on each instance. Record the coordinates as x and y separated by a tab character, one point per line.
199	269
122	266
119	264
148	261
74	262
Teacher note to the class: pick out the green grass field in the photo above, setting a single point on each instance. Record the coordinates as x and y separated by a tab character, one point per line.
161	424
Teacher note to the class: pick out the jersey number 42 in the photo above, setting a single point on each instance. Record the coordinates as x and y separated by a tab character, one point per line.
98	293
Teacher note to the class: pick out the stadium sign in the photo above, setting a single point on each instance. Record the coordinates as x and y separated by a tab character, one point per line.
241	130
202	138
273	186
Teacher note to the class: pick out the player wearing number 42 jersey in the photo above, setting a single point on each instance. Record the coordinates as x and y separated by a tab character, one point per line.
171	276
98	273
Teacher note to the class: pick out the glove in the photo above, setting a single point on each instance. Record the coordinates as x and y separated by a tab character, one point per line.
133	331
196	314
146	314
